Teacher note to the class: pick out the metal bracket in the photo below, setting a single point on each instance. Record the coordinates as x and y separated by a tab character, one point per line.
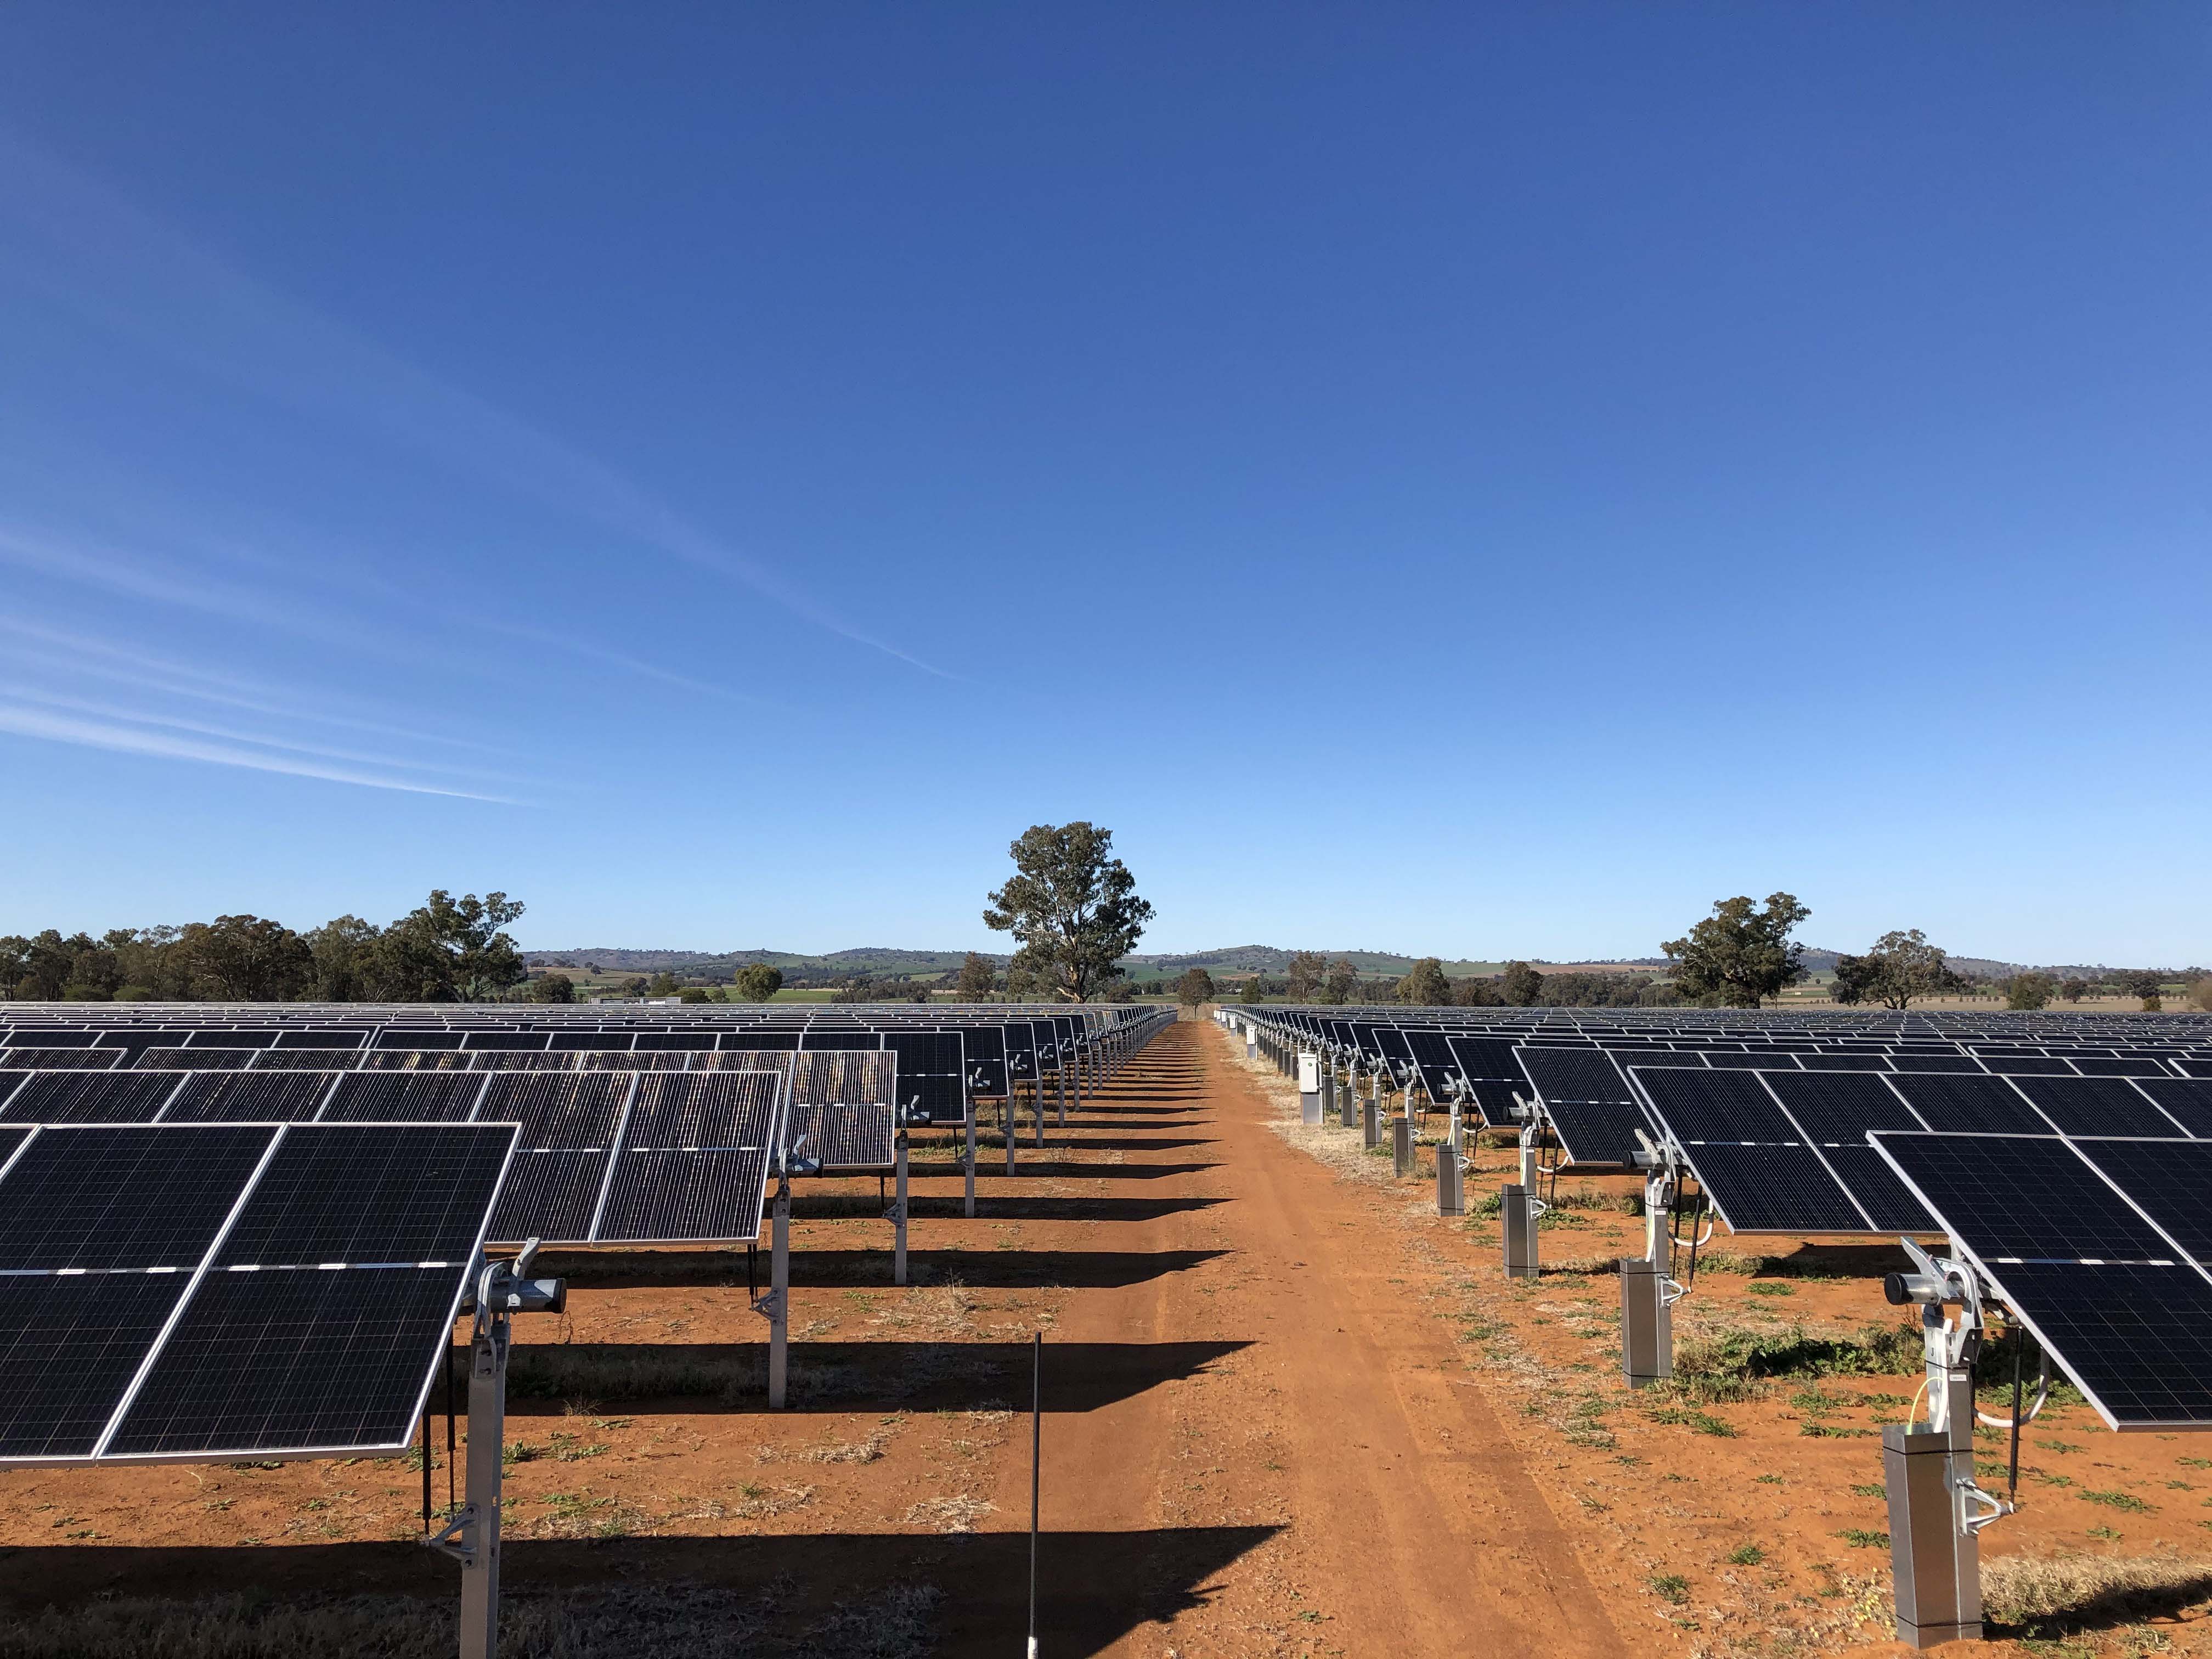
768	1304
446	1540
1671	1291
1996	1509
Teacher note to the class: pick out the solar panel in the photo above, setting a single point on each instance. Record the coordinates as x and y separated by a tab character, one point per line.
63	1060
405	1097
841	1109
195	1060
2114	1301
249	1098
933	1074
569	1127
91	1096
1762	1174
227	1291
1972	1105
2187	1101
1591	1108
693	1159
2097	1106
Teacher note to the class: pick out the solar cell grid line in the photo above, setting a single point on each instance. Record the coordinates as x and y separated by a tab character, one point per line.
93	1097
2097	1106
9	1083
1961	1104
841	1109
521	1059
405	1096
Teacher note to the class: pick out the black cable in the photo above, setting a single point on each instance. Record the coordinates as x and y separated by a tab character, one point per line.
426	1472
2019	1349
449	1426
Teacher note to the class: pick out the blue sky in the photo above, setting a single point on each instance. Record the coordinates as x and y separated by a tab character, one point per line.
1470	480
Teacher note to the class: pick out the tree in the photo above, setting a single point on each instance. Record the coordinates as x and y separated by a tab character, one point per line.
2201	995
1426	986
2074	989
553	987
663	984
1896	968
2025	993
1255	990
1343	982
2148	983
248	959
757	982
978	979
1739	956
1521	984
1195	987
343	955
1307	971
1478	991
1073	907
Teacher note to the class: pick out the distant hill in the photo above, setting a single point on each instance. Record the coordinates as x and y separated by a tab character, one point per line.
879	961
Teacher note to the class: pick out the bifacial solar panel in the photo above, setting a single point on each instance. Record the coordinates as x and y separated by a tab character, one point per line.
1591	1108
2169	1181
1761	1174
92	1097
1972	1105
195	1060
307	1060
2113	1300
2187	1101
2097	1106
932	1075
414	1060
693	1158
404	1097
63	1060
522	1060
569	1124
2124	1066
249	1098
841	1109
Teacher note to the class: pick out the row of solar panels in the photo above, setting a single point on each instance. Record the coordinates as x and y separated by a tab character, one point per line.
604	1157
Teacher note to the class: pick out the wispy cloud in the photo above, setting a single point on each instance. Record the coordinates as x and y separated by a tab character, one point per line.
86	246
73	651
103	734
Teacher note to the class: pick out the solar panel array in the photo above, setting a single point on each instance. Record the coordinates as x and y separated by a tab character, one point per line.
171	1291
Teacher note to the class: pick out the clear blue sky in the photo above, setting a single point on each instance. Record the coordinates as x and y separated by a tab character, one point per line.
1457	479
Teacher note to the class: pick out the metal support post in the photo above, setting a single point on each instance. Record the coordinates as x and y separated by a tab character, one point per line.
1402	1145
898	1217
967	1163
1518	1210
1328	1089
1936	1512
1370	1123
1647	1320
1012	1134
1347	1100
1451	1190
471	1537
779	1297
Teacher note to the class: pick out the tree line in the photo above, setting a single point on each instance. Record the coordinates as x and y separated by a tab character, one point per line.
444	949
1738	956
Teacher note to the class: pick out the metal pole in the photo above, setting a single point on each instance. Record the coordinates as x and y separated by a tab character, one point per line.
898	1218
779	1280
1036	1468
480	1516
967	1203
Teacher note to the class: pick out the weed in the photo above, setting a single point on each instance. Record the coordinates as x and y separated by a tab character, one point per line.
2119	1500
1702	1422
1864	1538
1747	1555
1832	1432
1767	1287
1670	1586
1871	1489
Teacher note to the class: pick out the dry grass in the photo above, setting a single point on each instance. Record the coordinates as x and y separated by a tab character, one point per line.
2076	1592
941	1312
956	1514
673	1621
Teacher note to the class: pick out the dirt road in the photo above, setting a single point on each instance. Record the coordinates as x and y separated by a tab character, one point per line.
1400	1520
